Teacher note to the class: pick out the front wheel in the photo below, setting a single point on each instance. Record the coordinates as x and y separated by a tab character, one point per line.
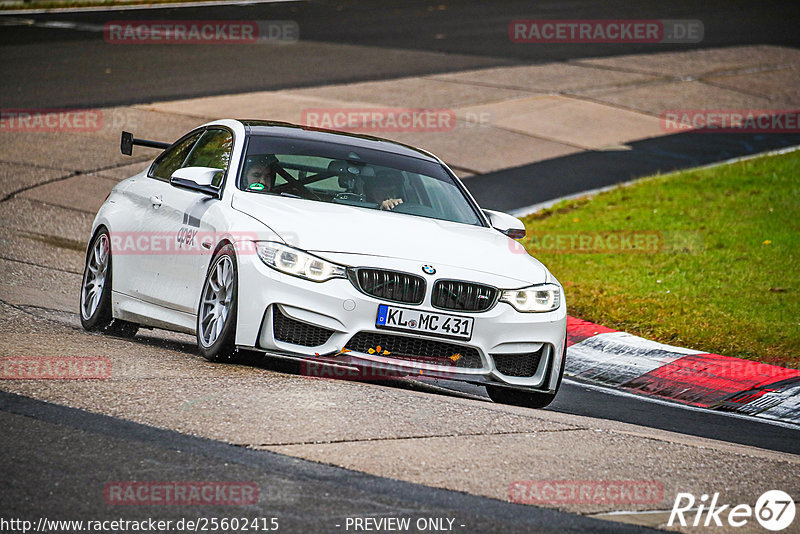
96	291
216	315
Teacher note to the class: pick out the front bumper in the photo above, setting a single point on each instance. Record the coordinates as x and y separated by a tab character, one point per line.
500	334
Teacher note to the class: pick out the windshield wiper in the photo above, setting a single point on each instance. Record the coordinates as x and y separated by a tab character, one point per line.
290	195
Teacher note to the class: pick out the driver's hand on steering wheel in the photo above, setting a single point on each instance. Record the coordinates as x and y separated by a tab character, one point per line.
391	203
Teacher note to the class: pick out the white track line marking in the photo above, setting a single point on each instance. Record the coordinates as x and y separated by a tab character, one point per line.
131	7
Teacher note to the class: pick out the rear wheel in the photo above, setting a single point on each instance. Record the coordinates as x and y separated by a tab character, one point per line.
527	399
96	291
216	316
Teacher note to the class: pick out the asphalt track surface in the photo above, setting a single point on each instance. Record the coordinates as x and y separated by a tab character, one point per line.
305	496
92	448
45	66
66	66
518	187
590	400
604	403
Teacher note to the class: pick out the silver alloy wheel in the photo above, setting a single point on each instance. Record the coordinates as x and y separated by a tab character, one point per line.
217	298
94	277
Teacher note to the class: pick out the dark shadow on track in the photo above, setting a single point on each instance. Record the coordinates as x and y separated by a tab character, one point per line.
518	187
577	399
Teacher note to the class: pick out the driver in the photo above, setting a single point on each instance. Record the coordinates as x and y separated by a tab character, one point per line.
385	189
259	172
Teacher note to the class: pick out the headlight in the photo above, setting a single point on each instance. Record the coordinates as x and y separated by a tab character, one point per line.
297	262
543	298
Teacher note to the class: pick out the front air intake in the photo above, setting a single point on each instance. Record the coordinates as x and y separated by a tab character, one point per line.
521	365
296	332
416	349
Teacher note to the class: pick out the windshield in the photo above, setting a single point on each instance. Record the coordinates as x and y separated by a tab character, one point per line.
359	177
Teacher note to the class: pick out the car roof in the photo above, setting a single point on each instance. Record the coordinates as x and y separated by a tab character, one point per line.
296	131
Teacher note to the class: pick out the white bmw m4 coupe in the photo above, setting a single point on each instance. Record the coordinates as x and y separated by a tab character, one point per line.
341	251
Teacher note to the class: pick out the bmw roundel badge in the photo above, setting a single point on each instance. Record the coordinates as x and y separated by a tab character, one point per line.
428	269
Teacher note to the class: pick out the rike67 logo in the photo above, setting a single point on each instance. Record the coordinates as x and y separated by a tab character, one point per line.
774	511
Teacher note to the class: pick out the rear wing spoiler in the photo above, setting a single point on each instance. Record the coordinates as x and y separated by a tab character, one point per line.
128	140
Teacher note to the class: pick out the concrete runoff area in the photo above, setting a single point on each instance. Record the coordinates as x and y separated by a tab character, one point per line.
441	441
99	451
52	183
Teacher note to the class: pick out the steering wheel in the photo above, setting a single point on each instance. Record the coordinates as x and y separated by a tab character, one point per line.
294	189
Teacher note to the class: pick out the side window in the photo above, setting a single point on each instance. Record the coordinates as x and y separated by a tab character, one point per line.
173	159
212	150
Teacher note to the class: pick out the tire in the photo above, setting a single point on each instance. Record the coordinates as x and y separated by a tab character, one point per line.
527	399
96	287
216	313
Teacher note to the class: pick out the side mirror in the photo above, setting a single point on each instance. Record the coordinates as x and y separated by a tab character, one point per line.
201	179
506	224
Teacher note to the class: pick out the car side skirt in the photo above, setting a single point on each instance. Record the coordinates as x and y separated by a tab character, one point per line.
144	313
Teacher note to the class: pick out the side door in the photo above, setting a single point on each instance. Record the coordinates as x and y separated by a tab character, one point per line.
193	218
142	245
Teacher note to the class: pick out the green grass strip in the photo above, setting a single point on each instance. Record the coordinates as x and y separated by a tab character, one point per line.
707	259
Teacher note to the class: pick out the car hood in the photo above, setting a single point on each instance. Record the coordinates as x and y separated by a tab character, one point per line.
322	227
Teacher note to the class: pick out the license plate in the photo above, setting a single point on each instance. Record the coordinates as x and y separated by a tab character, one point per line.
439	324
